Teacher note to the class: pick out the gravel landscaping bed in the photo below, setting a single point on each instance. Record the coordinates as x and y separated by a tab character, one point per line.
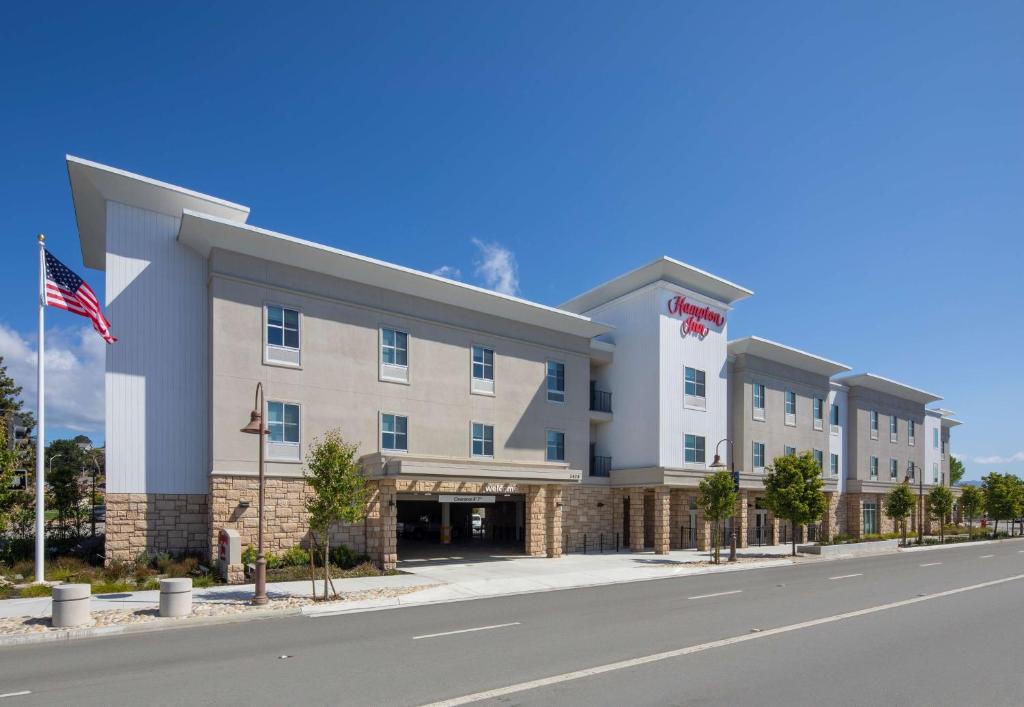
21	625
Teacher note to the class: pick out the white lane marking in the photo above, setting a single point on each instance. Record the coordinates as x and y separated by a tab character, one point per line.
689	650
931	564
847	576
16	694
985	557
465	630
716	594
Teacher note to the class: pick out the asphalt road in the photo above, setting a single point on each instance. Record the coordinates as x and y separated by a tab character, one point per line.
940	627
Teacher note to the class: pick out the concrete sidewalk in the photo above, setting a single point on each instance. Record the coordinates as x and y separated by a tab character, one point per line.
449	577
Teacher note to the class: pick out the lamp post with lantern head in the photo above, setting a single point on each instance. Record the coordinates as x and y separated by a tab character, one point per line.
258	427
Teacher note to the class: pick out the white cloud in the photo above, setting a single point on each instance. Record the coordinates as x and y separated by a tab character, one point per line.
996	459
449	271
496	265
75	364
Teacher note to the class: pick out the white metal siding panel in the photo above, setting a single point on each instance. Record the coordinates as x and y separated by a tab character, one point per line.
837	443
709	355
158	371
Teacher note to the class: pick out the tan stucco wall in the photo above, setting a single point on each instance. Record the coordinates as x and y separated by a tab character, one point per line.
338	384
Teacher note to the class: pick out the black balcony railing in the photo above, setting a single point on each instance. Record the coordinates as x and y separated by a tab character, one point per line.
600	466
600	401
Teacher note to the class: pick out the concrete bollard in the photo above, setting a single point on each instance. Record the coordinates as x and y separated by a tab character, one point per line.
70	605
176	596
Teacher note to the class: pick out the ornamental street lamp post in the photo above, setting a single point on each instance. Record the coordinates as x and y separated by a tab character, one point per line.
257	427
911	471
717	464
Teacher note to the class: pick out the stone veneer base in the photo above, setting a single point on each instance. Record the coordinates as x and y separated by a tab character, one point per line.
139	522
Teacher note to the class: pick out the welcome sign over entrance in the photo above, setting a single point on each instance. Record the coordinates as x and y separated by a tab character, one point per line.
465	499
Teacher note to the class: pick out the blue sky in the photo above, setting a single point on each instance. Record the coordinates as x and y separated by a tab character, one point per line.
860	166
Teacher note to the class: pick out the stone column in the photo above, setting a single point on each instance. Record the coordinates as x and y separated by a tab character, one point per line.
703	531
636	520
774	540
678	508
662	516
741	518
855	514
553	511
536	528
446	523
830	520
618	528
387	525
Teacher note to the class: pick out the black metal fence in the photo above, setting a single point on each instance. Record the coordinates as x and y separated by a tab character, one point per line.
600	466
592	543
759	535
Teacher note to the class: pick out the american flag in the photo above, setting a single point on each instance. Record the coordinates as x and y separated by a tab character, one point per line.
66	290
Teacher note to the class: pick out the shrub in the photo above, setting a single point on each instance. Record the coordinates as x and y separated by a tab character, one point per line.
364	569
67	569
205	580
162	561
295	557
36	590
347	558
112	587
249	555
118	570
143	559
149	584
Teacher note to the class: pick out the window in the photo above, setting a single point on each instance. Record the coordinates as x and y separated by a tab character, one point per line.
282	336
894	469
694	382
819	459
790	402
693	448
910	433
894	428
873	467
483	363
282	327
758	455
935	438
833	464
758	390
556	382
482	381
790	451
556	446
935	472
833	418
283	425
394	347
873	416
483	440
870	526
819	413
911	471
394	433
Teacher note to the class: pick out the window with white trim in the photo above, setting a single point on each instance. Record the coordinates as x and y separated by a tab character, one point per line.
935	472
394	355
819	459
281	335
694	382
394	347
693	449
555	446
758	454
790	451
819	413
394	433
935	438
833	464
873	468
790	402
911	439
873	423
758	393
283	421
894	428
483	440
833	418
556	381
894	470
482	370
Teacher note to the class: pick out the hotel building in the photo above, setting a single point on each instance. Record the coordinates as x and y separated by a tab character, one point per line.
479	416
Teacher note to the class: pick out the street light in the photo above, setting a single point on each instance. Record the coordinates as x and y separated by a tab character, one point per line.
920	500
717	464
257	427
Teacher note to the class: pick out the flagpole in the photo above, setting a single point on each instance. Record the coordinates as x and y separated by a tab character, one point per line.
41	417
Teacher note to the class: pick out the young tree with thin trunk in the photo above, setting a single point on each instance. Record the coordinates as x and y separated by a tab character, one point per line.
899	504
940	504
1002	497
717	499
792	486
956	470
972	500
339	490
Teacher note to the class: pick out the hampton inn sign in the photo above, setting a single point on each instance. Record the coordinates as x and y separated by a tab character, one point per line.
696	315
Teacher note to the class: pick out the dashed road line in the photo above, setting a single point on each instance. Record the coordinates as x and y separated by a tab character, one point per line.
465	630
985	557
716	594
699	648
16	694
931	564
847	576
